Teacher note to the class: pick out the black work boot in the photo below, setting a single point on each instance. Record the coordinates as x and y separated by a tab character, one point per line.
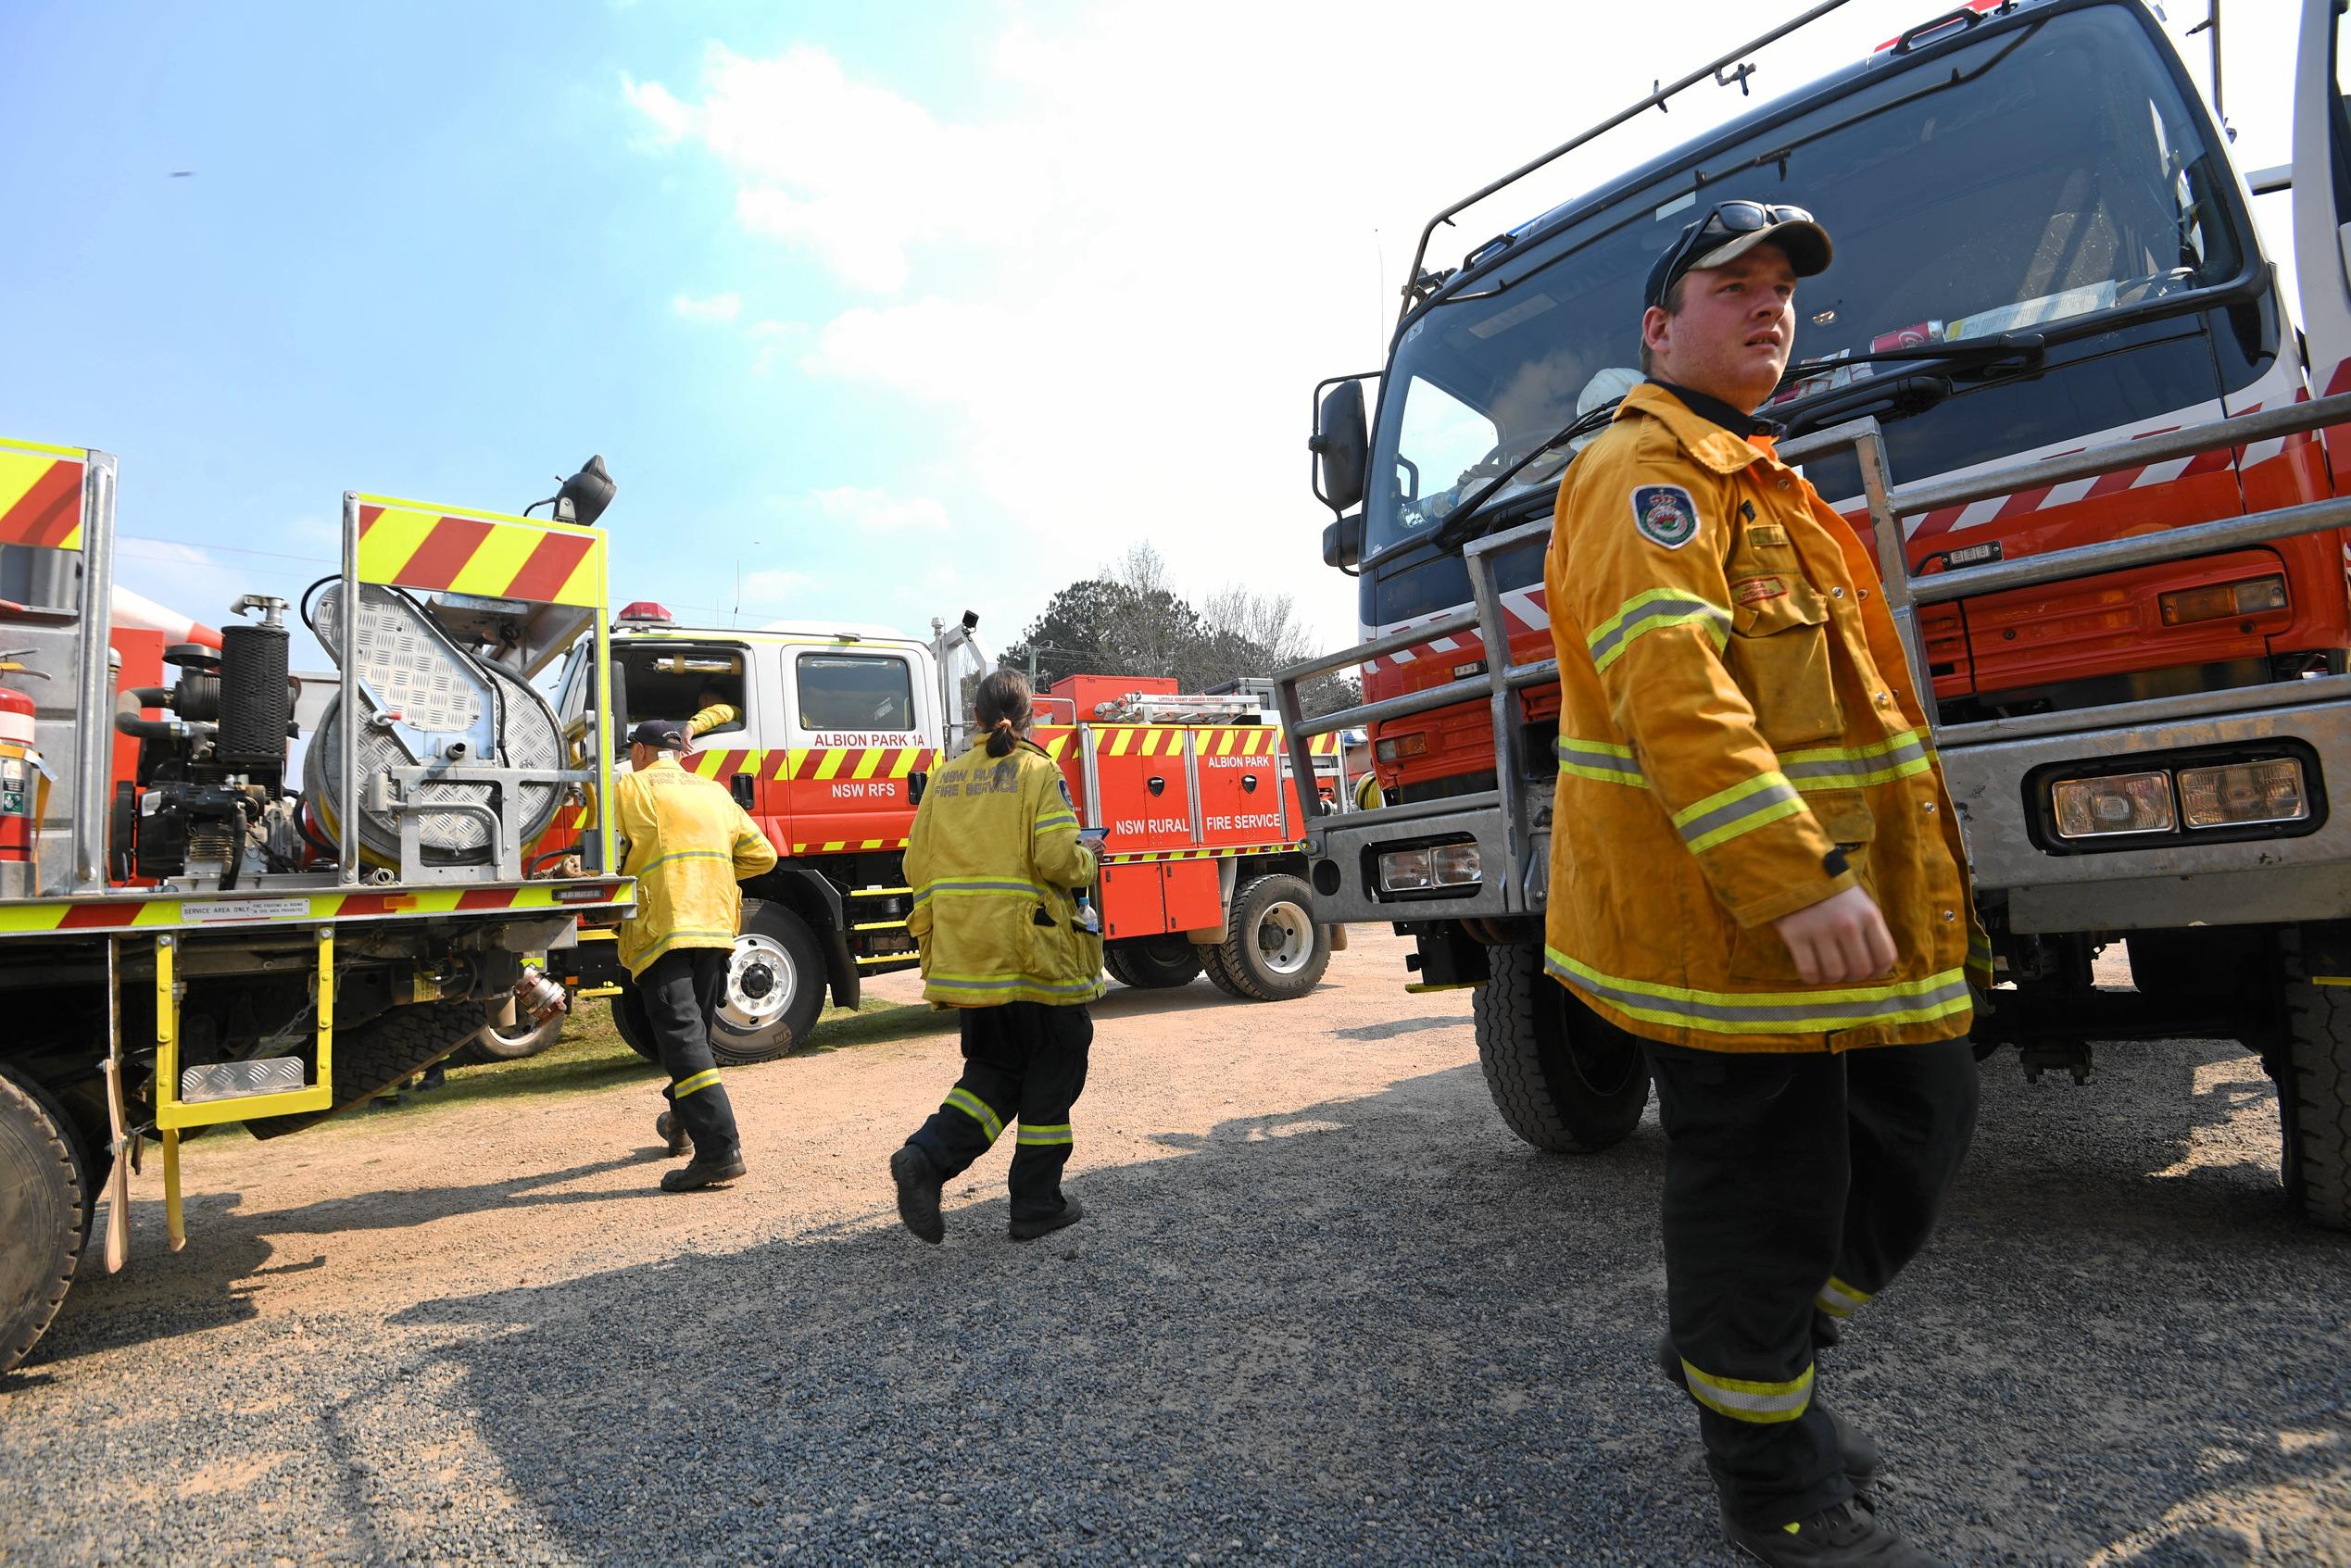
1030	1230
1855	1447
672	1132
918	1184
1844	1535
699	1172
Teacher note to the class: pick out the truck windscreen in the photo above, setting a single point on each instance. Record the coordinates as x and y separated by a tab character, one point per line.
2036	175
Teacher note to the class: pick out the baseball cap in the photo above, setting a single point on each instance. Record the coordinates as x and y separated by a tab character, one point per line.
1729	231
662	735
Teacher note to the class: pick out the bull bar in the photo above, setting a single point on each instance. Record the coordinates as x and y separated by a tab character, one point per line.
1984	761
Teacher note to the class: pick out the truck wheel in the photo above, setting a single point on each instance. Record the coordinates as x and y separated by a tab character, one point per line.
1154	963
1212	963
1114	964
1273	950
42	1210
380	1053
495	1043
2314	1092
775	987
1563	1078
629	1022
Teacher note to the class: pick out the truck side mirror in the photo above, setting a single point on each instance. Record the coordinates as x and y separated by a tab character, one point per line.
1343	542
1341	446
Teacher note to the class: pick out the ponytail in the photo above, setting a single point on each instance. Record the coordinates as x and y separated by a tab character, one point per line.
1002	704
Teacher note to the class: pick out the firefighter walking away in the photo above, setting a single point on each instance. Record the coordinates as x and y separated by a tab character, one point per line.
1755	868
687	844
999	868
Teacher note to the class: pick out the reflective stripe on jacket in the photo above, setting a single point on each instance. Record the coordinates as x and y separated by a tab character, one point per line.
687	844
1738	740
993	857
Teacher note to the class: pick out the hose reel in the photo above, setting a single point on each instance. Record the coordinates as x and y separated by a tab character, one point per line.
427	702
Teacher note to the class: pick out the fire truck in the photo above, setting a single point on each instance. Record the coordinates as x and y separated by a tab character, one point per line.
2056	385
201	924
830	733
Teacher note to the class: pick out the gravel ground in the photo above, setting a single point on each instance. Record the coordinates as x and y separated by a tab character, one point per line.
1322	1308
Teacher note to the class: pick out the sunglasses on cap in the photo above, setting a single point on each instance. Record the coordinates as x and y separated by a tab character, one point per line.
1727	221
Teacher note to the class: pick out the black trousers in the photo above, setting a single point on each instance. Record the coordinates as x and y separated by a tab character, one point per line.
1022	1061
1794	1181
681	992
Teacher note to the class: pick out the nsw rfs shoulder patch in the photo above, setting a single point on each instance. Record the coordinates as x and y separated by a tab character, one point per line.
1665	514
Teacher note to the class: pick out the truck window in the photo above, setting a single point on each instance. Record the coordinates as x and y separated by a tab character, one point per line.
855	691
2037	175
678	680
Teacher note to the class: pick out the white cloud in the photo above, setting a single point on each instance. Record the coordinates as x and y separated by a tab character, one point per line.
772	588
1104	296
853	170
870	511
714	308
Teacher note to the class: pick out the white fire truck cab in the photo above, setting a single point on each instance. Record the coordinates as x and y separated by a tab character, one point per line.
827	732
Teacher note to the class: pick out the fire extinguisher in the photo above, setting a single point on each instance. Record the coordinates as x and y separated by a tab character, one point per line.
21	772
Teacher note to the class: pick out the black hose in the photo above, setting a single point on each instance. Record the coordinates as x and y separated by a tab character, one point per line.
159	729
153	697
302	826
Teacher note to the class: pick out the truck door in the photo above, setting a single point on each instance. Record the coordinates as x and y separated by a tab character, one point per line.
856	737
2323	214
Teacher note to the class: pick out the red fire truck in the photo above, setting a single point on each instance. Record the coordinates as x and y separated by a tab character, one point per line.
2116	551
835	731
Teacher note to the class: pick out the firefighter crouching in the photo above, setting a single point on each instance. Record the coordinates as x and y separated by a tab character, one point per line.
996	862
1754	868
687	844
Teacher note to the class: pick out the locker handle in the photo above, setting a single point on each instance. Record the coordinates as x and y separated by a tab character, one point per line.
1157	785
742	785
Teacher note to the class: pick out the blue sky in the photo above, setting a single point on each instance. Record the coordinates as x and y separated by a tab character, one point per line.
894	310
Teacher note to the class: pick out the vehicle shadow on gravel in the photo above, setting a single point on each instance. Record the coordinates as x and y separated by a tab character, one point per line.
1378	1330
231	1256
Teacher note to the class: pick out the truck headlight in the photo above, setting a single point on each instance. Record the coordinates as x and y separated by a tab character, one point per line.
2243	793
1404	871
1417	871
2255	595
2115	804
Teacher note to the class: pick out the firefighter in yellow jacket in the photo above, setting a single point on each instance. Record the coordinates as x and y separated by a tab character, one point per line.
997	862
687	844
1754	868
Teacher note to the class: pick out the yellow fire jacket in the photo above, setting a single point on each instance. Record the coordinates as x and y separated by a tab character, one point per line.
1738	739
993	859
687	844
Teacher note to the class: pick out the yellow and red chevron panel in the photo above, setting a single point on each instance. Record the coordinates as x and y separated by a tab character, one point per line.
491	555
240	911
811	764
41	495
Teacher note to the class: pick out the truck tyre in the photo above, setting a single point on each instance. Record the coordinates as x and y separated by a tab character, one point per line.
1154	963
629	1022
1212	963
2314	1091
775	986
495	1043
1563	1079
1273	950
380	1053
43	1214
1114	963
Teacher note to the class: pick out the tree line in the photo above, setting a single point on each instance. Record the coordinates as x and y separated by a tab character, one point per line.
1128	620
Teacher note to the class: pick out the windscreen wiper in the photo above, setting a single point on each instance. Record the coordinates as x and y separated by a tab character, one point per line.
1976	356
1456	531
